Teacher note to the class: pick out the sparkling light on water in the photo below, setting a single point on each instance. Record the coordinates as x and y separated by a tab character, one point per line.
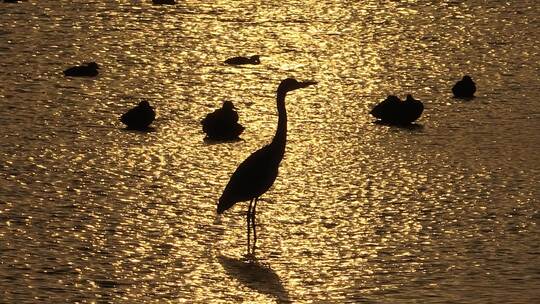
444	211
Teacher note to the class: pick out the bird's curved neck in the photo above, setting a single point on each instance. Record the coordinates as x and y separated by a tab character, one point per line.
280	138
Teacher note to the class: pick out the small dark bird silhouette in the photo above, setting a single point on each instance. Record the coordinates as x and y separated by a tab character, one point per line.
163	1
139	117
11	1
89	69
244	60
222	124
255	175
464	88
394	111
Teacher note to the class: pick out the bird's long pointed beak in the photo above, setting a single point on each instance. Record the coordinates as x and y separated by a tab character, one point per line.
307	83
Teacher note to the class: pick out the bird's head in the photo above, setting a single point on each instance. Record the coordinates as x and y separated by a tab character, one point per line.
291	84
144	103
392	99
467	78
228	105
93	65
255	59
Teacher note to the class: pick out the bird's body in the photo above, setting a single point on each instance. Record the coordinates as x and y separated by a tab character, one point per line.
255	175
412	109
394	111
86	70
139	117
255	59
222	124
251	179
465	88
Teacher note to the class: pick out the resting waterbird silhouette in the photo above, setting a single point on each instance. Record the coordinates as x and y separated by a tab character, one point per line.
255	175
139	117
255	59
395	111
464	88
222	124
89	69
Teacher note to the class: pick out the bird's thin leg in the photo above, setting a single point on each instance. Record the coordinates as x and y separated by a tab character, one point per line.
248	218
254	225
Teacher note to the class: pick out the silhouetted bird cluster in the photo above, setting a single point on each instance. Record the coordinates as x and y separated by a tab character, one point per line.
222	124
257	173
395	111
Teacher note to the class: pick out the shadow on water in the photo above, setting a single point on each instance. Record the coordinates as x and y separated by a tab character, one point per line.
135	130
464	98
409	127
209	141
256	276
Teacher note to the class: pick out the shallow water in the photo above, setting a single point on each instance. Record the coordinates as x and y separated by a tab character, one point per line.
446	211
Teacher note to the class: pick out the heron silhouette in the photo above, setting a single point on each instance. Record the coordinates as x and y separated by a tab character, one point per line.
256	174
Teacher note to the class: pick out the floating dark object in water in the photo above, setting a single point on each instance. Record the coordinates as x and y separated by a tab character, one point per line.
139	117
255	59
12	1
89	69
222	124
163	1
464	88
394	111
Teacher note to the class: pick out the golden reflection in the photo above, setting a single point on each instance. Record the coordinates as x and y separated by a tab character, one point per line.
360	212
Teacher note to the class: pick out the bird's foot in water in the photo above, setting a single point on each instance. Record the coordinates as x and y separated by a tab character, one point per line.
250	257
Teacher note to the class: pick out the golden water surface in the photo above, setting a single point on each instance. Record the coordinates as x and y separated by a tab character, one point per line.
446	211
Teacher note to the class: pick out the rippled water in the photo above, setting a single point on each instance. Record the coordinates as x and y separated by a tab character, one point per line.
445	212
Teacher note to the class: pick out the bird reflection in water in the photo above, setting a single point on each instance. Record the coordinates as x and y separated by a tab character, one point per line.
255	275
257	173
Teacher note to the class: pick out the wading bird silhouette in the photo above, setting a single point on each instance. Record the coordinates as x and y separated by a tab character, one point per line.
255	175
